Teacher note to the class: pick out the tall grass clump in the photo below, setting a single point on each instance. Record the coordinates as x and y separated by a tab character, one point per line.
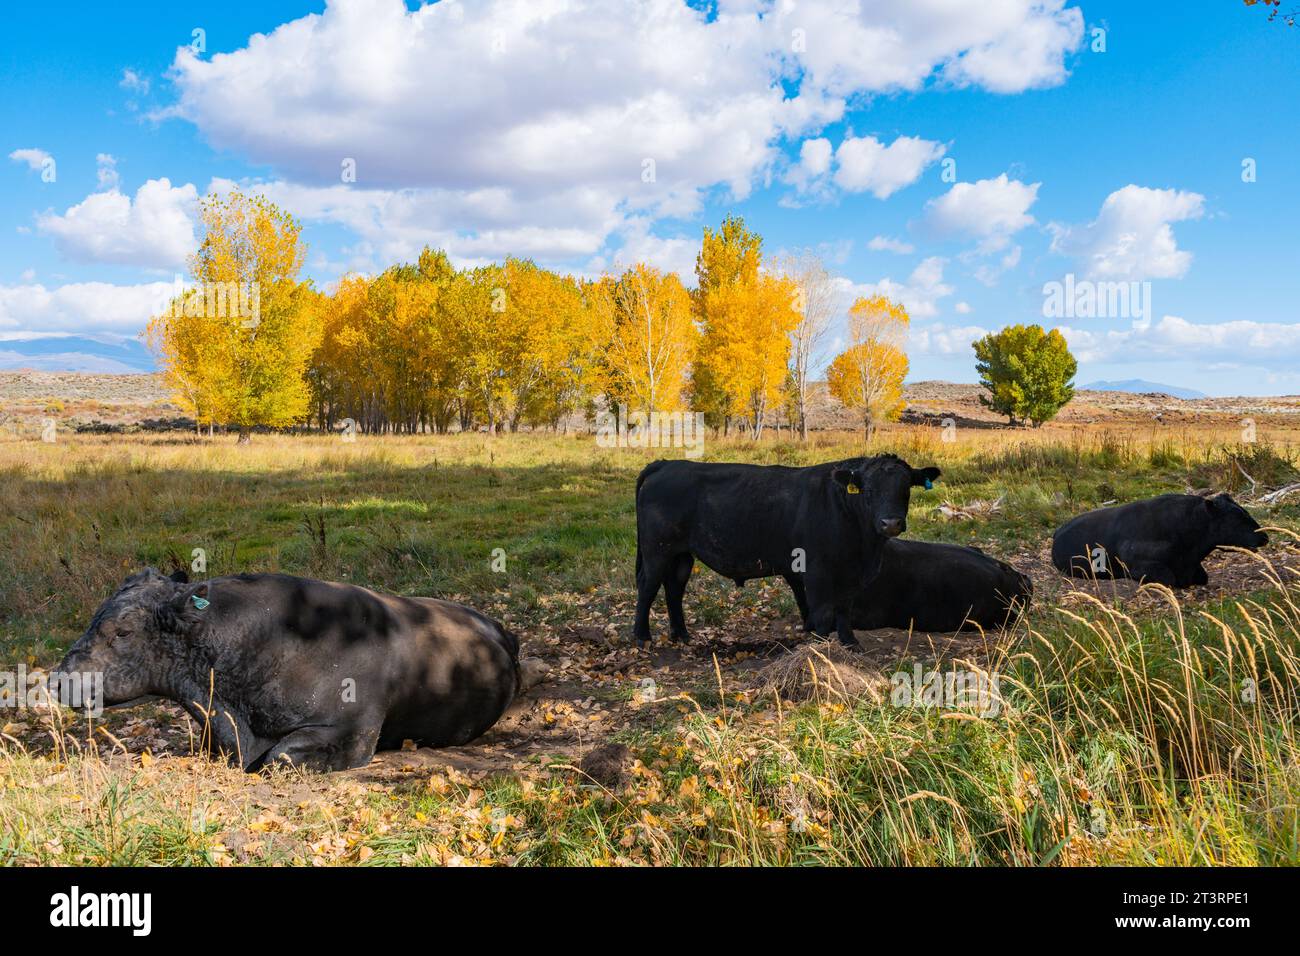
1121	740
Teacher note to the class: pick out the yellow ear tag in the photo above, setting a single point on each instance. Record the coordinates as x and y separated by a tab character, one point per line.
852	489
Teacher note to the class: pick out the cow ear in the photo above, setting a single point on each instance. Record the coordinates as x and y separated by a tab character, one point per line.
180	577
926	477
185	610
849	479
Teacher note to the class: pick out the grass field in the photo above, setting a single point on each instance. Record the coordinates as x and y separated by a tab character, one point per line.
1137	726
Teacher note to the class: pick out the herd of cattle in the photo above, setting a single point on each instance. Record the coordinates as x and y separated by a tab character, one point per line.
319	675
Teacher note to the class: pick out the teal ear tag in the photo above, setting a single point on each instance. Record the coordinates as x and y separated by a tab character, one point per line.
199	602
928	484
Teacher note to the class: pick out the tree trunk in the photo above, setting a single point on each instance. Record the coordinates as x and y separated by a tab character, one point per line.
245	436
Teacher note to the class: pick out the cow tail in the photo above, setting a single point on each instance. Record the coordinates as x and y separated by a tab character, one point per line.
640	480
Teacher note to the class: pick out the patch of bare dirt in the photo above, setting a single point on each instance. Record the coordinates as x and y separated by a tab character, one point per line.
597	687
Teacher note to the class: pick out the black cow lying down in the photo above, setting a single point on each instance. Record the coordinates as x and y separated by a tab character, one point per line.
941	587
1162	539
283	669
822	528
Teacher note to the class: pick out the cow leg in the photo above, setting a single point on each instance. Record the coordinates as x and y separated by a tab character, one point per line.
801	598
650	575
1151	572
222	730
679	572
322	748
821	608
844	629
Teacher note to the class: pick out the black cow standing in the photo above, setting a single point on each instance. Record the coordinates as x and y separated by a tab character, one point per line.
281	669
941	587
821	528
1162	539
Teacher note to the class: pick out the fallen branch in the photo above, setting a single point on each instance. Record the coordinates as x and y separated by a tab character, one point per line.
1273	497
1253	483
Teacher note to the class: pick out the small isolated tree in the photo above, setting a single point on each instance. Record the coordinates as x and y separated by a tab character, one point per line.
867	377
235	349
1028	372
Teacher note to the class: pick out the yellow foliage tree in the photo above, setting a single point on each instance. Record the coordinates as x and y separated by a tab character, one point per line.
236	347
868	376
341	375
547	344
746	347
472	312
646	325
729	288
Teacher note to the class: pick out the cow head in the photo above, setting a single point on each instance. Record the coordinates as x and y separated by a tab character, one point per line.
125	640
1231	524
880	489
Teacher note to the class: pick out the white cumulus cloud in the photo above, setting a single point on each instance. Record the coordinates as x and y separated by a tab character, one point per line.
919	293
1265	344
33	157
82	307
1132	237
940	339
153	231
890	244
987	209
865	164
631	108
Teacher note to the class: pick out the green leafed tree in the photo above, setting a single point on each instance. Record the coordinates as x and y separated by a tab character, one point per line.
1029	373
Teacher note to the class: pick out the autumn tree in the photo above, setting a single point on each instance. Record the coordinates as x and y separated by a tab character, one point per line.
731	254
728	257
472	311
646	327
409	349
867	377
236	349
342	372
1275	12
817	300
1027	372
746	347
548	344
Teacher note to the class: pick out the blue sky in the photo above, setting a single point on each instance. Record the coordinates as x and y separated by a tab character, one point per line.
955	156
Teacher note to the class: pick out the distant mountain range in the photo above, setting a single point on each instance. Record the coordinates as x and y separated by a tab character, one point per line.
76	354
81	354
1140	385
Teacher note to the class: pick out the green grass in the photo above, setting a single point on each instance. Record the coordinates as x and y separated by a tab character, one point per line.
1125	736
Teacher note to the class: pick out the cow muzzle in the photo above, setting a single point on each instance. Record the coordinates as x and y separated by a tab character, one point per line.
891	527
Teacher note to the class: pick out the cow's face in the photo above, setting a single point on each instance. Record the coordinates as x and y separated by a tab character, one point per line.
122	642
880	490
1231	524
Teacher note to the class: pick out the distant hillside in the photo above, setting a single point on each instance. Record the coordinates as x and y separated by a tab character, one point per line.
79	399
76	353
1143	387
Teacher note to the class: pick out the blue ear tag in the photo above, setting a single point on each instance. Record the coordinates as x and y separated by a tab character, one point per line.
928	484
199	602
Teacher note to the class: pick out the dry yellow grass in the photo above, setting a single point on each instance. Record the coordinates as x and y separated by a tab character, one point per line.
1125	737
